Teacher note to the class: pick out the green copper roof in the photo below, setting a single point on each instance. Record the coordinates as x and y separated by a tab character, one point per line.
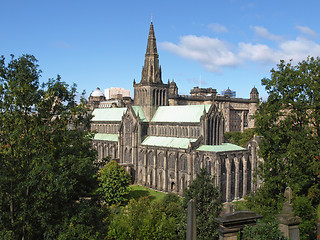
139	111
168	142
106	137
186	113
224	147
108	114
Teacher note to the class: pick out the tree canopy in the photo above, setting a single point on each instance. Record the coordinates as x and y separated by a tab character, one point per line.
114	183
208	205
240	138
45	160
289	123
141	219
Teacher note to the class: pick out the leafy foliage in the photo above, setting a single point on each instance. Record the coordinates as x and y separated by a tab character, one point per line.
304	209
142	220
289	122
88	222
114	183
240	138
46	161
263	231
208	205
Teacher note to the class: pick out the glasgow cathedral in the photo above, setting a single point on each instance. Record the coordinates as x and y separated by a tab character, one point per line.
163	138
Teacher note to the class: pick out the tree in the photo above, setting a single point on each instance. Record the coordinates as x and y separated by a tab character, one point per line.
114	183
263	231
45	161
289	123
240	138
89	221
208	205
141	219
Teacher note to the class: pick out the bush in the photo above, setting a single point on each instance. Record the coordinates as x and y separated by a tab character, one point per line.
240	138
114	183
263	231
308	226
141	219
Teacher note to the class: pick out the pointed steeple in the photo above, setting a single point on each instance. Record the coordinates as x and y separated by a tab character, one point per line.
152	46
151	72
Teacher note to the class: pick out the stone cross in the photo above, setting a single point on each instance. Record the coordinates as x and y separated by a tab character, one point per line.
288	194
289	222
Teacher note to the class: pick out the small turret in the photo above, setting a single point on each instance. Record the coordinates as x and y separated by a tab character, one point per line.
95	98
253	106
254	94
173	89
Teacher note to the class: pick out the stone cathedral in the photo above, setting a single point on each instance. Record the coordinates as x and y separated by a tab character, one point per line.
163	138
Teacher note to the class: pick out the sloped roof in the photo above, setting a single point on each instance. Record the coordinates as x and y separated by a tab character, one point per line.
106	137
108	114
171	142
224	147
139	111
185	113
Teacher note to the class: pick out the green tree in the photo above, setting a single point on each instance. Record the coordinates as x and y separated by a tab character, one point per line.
45	161
114	183
142	220
89	221
173	205
208	205
263	231
240	138
304	209
289	123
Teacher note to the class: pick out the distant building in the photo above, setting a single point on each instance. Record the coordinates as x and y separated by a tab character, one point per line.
116	93
164	138
95	98
229	93
113	97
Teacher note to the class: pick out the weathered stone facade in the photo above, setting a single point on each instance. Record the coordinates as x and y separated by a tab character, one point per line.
164	139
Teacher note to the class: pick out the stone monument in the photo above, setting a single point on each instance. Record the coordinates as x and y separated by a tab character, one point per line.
191	221
231	223
289	223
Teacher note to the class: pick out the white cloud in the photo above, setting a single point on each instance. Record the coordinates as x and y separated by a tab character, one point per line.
214	54
299	49
264	33
296	50
307	30
217	28
257	53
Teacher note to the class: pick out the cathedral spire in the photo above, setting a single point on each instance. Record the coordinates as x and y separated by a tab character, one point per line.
152	46
151	72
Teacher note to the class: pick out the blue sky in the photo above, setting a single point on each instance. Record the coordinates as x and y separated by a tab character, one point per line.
231	43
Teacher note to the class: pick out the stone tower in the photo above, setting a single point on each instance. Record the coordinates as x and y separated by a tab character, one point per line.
253	106
151	92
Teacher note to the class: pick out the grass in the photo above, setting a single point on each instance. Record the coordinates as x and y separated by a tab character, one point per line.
140	191
318	211
240	205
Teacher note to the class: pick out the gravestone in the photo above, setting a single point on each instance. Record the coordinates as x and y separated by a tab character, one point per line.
191	221
289	223
231	223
